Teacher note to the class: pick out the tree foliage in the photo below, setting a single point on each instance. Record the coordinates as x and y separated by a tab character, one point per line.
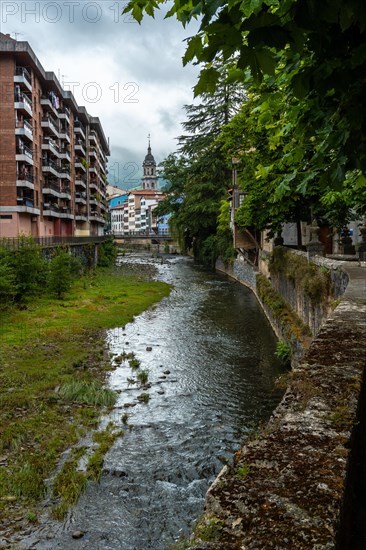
302	131
63	269
198	173
29	269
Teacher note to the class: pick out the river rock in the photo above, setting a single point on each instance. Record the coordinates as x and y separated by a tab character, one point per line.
77	534
166	371
148	348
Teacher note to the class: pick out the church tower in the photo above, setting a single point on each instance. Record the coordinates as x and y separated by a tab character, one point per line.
149	179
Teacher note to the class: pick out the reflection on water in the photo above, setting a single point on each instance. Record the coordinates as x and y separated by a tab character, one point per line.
211	369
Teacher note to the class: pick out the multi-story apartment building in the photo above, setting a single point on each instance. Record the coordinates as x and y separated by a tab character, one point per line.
53	154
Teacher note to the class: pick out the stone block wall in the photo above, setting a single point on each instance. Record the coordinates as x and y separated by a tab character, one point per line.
299	483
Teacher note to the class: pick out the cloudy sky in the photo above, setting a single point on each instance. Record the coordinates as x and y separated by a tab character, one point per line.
129	75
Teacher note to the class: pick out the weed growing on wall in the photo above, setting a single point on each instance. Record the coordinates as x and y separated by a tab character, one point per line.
306	276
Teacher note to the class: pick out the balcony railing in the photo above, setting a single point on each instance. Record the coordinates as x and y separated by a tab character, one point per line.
24	124
25	177
49	141
47	184
79	180
25	201
24	150
52	123
48	163
22	71
19	97
64	113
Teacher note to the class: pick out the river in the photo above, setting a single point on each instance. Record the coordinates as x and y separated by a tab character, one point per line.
209	352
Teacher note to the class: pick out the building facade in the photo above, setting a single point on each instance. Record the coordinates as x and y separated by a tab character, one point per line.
53	154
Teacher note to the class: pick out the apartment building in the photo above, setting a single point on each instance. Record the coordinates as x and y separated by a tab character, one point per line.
53	153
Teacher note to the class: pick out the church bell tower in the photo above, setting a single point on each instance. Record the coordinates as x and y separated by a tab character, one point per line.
149	179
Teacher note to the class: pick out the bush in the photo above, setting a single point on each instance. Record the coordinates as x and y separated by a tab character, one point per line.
7	279
29	267
63	268
107	253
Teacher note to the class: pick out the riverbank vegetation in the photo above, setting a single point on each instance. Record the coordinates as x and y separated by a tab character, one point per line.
280	108
53	366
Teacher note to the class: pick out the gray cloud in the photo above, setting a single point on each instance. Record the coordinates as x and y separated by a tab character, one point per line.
138	69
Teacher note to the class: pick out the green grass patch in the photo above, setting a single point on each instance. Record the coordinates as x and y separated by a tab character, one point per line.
53	363
91	393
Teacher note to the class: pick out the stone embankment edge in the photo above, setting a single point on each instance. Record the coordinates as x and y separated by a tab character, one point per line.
291	487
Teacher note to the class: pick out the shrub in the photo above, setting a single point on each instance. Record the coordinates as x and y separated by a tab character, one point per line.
29	267
107	253
283	351
63	268
7	280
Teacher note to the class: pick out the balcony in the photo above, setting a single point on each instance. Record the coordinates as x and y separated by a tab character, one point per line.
50	145
93	185
80	181
65	193
97	218
80	148
51	188
93	137
49	166
93	152
81	216
23	77
64	172
25	180
64	114
79	165
24	154
93	170
80	198
56	211
79	129
23	103
25	201
48	123
65	134
24	128
65	154
48	106
103	168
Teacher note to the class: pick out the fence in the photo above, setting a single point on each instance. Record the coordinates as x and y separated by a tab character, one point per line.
10	242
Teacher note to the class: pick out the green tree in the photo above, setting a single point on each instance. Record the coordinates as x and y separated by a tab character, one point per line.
107	253
312	52
63	268
199	175
29	267
7	279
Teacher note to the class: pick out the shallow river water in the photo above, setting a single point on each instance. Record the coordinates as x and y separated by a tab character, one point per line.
212	369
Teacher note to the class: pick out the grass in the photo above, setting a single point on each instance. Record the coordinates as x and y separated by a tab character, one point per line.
91	393
243	470
53	363
143	376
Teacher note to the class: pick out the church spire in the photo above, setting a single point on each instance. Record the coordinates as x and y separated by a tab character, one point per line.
149	179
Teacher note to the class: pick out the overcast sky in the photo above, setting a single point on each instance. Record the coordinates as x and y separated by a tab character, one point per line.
129	75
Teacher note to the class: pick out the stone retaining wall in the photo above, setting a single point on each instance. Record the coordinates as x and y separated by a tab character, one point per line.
292	486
